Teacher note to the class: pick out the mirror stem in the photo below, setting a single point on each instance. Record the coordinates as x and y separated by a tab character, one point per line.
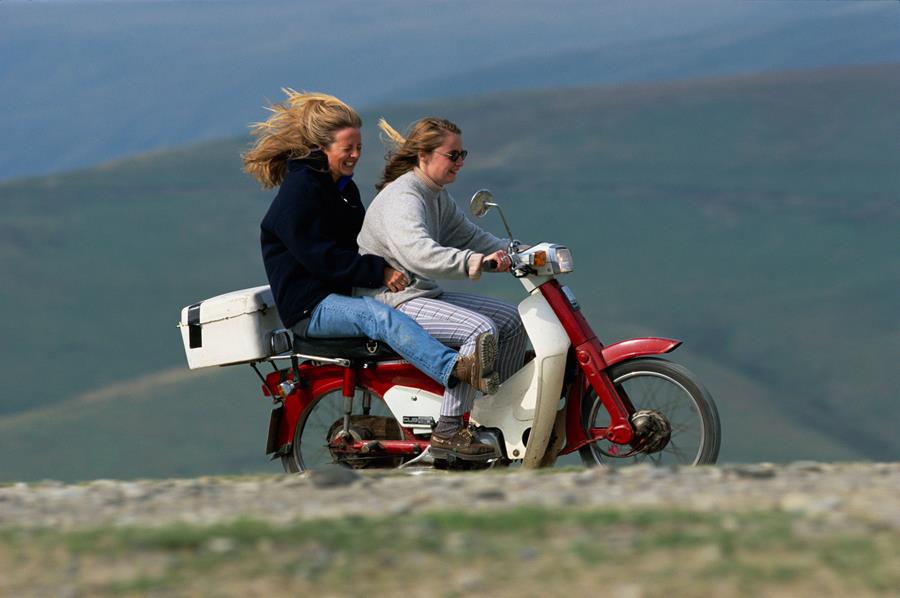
505	223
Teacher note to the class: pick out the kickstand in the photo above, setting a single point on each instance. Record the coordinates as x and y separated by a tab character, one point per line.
425	456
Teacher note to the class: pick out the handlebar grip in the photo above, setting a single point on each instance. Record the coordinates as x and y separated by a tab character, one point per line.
489	265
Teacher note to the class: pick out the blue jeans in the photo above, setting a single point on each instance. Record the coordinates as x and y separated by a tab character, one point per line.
343	316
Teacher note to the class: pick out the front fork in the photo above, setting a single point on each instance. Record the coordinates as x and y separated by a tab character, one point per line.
592	373
619	408
593	368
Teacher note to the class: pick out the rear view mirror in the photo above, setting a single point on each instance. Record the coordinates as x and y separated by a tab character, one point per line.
481	202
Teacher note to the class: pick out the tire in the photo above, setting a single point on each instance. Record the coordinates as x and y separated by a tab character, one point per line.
317	421
669	390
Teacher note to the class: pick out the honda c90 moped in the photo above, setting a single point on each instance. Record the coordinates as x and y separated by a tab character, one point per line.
356	403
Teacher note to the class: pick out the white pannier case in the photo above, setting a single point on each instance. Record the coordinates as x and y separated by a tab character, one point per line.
231	328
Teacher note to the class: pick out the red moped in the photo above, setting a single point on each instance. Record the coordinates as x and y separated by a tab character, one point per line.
356	403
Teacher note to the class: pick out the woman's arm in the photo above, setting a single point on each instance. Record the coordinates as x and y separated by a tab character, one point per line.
460	232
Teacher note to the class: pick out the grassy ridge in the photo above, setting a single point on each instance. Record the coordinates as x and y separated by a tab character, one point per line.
522	550
755	218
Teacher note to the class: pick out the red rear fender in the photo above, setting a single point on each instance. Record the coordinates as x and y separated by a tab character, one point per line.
637	347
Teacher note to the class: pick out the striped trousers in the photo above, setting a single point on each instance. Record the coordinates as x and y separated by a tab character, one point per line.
456	319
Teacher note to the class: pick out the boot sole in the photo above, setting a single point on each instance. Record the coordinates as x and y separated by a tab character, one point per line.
490	384
486	350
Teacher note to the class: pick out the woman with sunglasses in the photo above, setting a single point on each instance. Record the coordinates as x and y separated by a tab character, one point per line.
417	227
309	147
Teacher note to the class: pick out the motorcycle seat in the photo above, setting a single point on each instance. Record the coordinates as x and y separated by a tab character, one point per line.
355	348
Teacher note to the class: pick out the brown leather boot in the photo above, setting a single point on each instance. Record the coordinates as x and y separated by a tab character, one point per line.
461	445
477	369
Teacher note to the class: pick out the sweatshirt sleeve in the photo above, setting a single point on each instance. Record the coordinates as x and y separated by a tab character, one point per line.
299	228
462	233
411	244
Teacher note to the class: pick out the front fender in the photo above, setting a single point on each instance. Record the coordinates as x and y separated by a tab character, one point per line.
637	347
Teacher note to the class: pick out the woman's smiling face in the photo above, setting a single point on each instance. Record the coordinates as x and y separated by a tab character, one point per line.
437	166
344	151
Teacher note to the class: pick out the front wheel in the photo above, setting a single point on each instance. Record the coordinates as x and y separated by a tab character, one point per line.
677	415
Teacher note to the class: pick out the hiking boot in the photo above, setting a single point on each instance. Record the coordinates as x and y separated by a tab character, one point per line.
477	369
461	445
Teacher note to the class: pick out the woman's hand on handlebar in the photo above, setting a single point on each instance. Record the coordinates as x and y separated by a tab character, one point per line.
395	280
499	261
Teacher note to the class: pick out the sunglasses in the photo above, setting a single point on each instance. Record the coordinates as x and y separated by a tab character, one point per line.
455	155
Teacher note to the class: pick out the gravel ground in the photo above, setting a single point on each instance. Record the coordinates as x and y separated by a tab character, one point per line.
845	494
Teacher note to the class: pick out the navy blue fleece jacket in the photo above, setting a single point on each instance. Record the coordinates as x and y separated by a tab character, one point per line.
308	240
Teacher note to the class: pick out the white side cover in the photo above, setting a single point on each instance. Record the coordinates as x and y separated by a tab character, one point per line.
414	408
230	328
537	385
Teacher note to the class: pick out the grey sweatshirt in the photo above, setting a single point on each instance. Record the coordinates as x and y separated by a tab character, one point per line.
423	233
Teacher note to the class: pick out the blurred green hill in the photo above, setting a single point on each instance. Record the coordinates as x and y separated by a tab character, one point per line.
755	218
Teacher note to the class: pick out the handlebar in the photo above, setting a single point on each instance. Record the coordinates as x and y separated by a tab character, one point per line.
489	265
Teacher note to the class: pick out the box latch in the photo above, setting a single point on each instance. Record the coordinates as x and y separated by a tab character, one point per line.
195	331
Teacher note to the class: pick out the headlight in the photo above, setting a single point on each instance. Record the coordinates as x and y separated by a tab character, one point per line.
564	259
547	259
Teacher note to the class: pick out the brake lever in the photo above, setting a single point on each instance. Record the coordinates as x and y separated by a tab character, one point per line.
517	270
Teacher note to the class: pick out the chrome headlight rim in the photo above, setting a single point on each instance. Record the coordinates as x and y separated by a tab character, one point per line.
562	260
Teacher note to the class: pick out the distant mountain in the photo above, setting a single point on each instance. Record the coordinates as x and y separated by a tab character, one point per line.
753	217
89	81
819	40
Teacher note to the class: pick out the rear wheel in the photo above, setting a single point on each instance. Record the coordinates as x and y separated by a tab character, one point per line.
323	421
675	417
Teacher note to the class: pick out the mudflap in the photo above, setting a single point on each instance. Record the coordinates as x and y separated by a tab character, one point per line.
274	424
557	440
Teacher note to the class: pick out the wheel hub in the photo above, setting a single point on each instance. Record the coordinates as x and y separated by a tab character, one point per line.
652	431
363	427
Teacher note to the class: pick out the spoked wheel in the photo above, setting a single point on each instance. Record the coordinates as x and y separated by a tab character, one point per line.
675	419
323	420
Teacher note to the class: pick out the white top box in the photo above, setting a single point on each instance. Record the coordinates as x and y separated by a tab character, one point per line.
232	328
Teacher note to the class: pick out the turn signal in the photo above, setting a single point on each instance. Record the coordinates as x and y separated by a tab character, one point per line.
539	258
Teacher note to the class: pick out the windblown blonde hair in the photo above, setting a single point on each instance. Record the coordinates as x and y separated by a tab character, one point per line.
425	135
301	124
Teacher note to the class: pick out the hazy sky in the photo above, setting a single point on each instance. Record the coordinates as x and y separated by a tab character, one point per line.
84	82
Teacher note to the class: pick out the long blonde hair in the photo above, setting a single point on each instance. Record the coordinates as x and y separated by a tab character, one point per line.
301	124
425	135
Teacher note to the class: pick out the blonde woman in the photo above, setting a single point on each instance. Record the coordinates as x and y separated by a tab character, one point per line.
418	228
309	147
